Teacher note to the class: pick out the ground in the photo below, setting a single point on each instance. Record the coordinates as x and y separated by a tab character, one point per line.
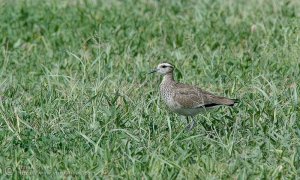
76	99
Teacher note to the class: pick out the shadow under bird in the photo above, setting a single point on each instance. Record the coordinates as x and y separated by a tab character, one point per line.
187	100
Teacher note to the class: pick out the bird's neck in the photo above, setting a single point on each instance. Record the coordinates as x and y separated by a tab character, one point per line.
168	78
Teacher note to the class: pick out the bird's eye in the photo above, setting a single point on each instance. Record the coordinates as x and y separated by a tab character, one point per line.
164	66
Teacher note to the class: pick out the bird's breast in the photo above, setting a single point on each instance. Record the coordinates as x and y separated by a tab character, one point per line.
167	96
165	93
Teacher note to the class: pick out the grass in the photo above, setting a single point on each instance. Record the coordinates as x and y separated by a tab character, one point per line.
76	100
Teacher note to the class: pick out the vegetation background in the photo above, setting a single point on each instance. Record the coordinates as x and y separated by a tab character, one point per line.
76	100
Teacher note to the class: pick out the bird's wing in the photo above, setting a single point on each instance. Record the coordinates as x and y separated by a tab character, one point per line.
193	97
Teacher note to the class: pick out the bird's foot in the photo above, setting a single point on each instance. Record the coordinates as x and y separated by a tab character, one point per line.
190	126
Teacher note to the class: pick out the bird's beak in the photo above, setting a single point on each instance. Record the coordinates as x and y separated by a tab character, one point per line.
153	71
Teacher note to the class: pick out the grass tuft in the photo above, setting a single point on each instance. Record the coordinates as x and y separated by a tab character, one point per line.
76	100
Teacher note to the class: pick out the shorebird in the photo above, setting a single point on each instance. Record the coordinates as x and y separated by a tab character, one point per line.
184	99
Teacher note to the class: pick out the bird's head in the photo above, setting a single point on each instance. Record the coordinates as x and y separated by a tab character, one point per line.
163	68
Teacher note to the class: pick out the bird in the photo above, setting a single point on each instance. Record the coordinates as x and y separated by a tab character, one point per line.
184	99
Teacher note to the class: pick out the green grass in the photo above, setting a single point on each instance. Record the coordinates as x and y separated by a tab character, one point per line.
76	100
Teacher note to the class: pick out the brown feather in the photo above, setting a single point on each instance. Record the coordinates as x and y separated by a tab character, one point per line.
193	97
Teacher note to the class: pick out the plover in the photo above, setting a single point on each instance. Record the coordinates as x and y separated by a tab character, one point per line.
187	100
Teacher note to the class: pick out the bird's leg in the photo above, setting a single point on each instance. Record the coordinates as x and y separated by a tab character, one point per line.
194	123
188	123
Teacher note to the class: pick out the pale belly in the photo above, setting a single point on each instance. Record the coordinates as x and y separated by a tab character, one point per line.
188	112
177	108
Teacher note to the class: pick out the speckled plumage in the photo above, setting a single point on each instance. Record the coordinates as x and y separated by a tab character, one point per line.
185	99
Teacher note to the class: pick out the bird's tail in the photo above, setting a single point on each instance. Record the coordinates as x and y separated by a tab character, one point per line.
234	101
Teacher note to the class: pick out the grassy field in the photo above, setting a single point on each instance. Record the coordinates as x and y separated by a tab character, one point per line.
76	99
